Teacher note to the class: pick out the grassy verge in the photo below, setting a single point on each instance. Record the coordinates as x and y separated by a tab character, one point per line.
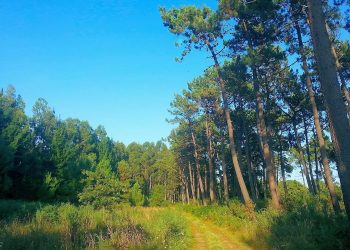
66	226
304	227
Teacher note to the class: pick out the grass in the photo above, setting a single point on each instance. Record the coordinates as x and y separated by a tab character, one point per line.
309	226
65	226
236	221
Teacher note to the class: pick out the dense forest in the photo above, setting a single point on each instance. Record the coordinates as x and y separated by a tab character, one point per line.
49	159
274	102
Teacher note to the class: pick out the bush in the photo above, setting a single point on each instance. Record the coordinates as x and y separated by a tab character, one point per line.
10	209
136	197
298	195
309	228
48	214
101	188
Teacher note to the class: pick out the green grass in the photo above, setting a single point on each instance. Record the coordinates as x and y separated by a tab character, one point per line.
66	226
310	226
30	225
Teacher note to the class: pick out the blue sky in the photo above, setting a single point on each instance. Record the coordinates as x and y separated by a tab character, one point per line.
109	62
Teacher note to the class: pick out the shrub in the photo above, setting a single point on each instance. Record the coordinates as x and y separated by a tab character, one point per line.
47	214
298	195
309	228
136	197
10	209
101	188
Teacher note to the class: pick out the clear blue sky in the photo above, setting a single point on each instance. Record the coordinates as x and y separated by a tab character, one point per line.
109	62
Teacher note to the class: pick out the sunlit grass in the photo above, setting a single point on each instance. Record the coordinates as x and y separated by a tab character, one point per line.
66	226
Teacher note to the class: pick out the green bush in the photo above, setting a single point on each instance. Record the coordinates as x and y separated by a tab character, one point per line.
135	196
309	228
101	188
10	209
47	214
298	195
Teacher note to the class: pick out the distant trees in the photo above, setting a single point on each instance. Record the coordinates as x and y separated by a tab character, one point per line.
45	158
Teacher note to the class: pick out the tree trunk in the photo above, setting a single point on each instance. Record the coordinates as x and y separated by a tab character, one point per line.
302	159
212	194
224	171
184	180
243	187
283	167
193	190
266	147
317	171
251	172
335	106
306	134
198	168
346	94
206	177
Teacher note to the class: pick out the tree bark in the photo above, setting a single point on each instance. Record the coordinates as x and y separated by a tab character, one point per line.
317	171
212	194
283	167
346	94
193	190
251	172
335	106
224	170
184	180
198	168
307	145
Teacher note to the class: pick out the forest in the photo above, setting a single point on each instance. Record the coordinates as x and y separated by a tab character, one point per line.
273	104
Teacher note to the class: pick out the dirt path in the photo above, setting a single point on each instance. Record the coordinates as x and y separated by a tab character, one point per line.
209	236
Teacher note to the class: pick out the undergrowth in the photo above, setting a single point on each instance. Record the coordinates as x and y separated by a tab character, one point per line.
66	226
310	225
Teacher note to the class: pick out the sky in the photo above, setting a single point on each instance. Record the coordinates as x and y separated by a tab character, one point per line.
109	62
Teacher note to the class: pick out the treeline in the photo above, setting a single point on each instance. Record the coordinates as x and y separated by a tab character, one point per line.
275	99
49	159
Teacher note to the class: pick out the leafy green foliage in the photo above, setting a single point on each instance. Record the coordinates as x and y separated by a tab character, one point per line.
136	197
101	187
